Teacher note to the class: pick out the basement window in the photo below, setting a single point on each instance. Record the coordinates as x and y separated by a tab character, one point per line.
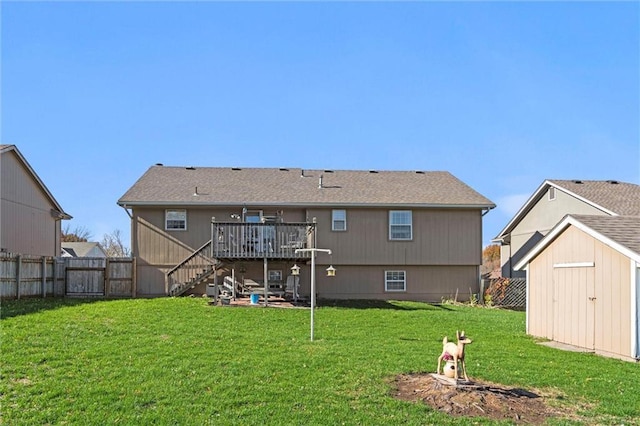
395	281
175	220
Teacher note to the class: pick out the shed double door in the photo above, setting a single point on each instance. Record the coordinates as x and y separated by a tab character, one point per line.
574	299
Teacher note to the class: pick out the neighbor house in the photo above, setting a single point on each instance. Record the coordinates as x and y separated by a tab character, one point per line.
393	234
551	202
30	217
82	249
583	284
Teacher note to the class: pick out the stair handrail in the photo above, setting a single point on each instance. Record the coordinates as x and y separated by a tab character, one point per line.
198	252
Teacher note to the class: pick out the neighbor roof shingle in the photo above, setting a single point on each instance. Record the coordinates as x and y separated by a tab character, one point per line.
162	185
619	197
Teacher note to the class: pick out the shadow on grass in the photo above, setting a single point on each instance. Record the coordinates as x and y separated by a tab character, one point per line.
382	304
13	307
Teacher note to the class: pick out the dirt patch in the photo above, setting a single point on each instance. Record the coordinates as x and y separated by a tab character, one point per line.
477	399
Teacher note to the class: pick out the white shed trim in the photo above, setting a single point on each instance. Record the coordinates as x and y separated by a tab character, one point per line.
635	309
574	265
559	228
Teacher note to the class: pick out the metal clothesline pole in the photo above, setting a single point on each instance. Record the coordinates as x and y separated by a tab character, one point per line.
313	252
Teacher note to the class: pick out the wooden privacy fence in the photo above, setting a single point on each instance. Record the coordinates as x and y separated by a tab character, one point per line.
42	276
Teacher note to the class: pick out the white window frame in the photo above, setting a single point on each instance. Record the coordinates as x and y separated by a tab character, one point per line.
338	216
274	275
395	277
175	215
393	221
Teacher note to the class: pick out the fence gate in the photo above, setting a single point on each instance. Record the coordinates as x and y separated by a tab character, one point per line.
85	276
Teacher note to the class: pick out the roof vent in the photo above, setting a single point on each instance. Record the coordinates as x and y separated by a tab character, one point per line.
159	164
190	168
373	171
236	168
420	172
284	169
328	171
613	182
577	181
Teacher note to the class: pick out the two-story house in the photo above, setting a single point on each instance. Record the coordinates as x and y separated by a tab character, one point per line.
411	235
551	202
30	217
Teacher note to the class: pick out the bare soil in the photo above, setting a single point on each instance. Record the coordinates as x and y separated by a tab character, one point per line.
477	399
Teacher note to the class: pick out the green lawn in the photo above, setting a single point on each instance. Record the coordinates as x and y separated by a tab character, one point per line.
179	361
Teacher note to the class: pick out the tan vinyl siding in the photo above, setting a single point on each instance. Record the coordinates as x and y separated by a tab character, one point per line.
27	224
443	256
158	250
585	306
423	283
440	237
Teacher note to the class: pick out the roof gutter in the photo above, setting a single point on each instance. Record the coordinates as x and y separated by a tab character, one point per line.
309	204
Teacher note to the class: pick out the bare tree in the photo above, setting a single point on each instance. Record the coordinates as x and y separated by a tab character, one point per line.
79	234
113	245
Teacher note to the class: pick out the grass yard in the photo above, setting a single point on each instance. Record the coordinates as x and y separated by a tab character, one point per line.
179	361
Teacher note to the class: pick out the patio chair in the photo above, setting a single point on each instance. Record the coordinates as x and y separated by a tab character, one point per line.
292	286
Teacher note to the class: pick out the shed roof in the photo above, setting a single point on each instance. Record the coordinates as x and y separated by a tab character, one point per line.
622	233
161	185
612	197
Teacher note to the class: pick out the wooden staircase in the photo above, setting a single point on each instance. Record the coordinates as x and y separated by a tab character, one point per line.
197	268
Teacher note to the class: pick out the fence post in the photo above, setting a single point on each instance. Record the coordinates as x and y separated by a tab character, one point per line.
18	273
44	277
483	287
134	281
107	281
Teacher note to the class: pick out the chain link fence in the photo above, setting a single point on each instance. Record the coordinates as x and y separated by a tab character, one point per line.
506	293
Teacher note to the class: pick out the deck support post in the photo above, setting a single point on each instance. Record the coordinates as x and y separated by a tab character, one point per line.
266	282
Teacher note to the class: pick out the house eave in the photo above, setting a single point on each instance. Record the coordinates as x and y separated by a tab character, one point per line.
129	204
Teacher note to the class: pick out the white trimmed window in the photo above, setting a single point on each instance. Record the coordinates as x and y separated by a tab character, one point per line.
175	220
338	220
395	281
400	225
275	275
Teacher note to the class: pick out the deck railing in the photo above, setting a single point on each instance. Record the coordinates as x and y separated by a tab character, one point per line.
241	240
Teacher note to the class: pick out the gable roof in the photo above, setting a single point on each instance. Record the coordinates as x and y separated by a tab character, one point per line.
622	233
80	249
167	186
611	197
4	149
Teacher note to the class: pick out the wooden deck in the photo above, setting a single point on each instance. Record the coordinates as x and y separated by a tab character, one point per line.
279	241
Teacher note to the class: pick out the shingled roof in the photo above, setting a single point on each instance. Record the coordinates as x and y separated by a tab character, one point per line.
619	198
619	232
162	185
625	230
612	197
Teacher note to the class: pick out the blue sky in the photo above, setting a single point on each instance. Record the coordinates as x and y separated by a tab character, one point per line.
502	94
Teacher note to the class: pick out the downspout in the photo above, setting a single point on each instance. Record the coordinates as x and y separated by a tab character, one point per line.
488	210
